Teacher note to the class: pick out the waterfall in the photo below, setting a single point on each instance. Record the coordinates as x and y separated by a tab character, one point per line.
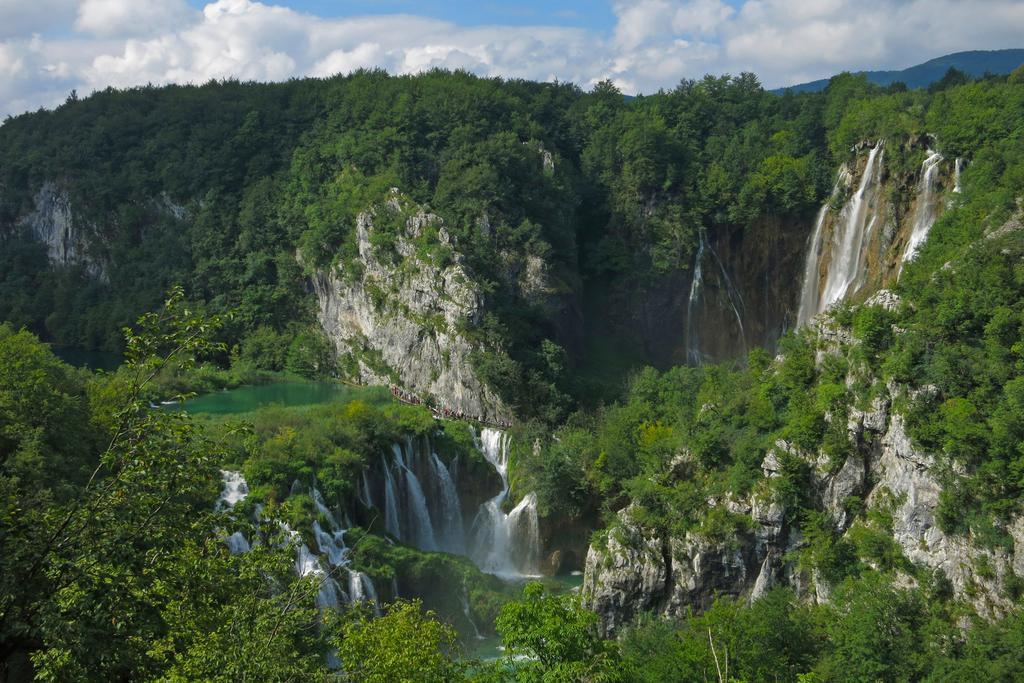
391	519
361	589
451	537
693	352
237	543
235	489
850	236
734	297
692	342
417	517
958	166
810	297
331	544
926	210
329	595
367	497
464	598
506	545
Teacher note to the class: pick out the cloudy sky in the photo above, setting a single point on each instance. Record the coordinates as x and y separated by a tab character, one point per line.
48	47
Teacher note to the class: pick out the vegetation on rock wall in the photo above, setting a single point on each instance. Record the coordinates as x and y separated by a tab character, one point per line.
113	562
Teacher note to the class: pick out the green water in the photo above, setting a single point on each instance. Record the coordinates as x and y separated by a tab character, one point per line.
253	397
85	358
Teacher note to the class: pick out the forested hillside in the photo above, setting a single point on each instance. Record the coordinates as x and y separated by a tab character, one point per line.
599	299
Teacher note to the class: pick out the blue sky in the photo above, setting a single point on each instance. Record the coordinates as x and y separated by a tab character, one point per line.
49	47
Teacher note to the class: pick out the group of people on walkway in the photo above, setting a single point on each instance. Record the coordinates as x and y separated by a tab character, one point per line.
443	412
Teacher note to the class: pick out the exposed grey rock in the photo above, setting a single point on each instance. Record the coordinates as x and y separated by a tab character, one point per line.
53	223
848	481
636	571
401	320
670	575
884	298
909	476
629	576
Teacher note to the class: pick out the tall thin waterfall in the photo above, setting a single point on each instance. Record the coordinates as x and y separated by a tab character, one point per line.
391	519
958	166
851	233
451	536
506	545
417	524
854	230
693	352
735	300
927	208
692	340
367	497
810	296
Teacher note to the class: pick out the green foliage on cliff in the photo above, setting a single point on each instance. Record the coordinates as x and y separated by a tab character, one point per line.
219	186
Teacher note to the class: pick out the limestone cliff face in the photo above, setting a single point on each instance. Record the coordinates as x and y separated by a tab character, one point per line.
53	223
636	569
400	314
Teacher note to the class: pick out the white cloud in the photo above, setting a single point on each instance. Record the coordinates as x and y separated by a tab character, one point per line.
131	17
654	43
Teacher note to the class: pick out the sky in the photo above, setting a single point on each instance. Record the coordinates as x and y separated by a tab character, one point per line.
49	47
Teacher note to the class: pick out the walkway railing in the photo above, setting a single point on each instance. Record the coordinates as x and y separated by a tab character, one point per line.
443	412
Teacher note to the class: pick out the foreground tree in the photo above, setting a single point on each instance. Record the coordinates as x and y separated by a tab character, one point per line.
552	638
406	644
112	564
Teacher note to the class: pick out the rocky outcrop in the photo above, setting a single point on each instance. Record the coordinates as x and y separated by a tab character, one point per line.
977	575
637	569
53	223
399	314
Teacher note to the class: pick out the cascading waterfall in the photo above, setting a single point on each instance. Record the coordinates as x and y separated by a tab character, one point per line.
422	508
958	166
421	502
506	545
851	234
854	230
238	543
361	589
927	208
809	293
330	542
235	489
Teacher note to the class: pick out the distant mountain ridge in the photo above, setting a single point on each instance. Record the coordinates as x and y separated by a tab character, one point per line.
974	63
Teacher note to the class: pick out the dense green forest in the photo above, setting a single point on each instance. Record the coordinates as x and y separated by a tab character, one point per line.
113	564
